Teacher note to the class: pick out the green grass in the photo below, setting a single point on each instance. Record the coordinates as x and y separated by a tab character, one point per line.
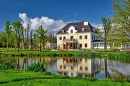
118	55
25	78
37	53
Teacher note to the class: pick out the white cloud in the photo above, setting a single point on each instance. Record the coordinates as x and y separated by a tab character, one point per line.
2	29
49	24
100	26
97	25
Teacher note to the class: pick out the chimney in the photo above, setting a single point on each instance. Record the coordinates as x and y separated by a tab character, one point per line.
85	23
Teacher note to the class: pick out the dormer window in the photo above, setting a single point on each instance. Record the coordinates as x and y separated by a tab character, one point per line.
63	31
82	29
71	31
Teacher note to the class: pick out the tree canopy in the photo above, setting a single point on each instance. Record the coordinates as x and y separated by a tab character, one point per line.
120	32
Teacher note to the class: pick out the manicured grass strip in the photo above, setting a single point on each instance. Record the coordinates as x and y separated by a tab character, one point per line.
120	55
24	78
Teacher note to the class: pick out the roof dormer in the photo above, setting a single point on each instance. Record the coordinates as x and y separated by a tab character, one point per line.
63	31
72	29
82	29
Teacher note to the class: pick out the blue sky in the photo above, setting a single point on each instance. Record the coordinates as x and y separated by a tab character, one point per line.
60	11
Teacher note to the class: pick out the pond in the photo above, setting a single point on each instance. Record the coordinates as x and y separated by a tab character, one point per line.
76	67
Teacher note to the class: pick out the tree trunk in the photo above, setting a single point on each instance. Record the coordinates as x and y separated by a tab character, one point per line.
7	41
27	35
40	37
18	43
105	43
105	62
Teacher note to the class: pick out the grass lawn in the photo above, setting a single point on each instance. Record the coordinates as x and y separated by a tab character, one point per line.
25	78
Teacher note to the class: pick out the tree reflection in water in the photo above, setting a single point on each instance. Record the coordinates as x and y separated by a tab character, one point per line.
118	75
107	75
76	66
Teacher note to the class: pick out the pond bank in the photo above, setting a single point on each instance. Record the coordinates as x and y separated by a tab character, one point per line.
77	54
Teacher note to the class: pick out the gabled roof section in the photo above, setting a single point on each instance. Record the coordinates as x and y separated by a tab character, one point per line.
78	26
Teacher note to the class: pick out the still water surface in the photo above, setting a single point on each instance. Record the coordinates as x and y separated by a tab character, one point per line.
75	67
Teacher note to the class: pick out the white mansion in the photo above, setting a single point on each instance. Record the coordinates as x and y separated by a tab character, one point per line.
79	35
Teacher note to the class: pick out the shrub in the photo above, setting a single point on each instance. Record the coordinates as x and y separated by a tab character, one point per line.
36	67
7	65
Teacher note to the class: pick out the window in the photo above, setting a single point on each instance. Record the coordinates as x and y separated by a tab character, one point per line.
85	37
62	31
71	74
64	67
86	68
71	31
60	66
96	37
93	68
71	37
64	38
97	44
63	46
65	73
80	37
80	59
94	44
86	45
80	68
101	44
82	29
72	68
60	38
80	45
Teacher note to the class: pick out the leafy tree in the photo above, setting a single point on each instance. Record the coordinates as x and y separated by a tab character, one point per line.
8	31
121	22
100	33
27	42
107	26
3	40
17	28
12	41
51	38
22	35
31	39
35	36
41	34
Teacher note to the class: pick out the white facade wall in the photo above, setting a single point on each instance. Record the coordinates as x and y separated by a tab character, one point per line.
84	41
76	36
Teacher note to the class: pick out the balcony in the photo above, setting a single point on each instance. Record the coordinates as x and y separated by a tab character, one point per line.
69	40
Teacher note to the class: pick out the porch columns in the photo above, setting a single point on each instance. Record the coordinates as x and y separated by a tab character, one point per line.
69	46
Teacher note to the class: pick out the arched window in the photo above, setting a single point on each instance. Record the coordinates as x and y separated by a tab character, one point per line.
71	31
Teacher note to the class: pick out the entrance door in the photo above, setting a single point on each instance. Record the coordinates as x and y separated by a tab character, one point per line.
63	46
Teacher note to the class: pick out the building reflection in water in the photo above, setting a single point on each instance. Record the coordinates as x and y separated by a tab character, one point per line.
75	67
78	67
